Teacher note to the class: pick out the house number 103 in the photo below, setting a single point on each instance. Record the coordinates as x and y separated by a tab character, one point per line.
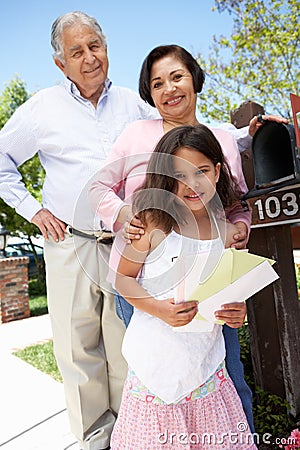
272	207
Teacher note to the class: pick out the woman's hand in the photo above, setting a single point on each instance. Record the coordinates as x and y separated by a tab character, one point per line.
258	121
175	315
133	228
233	314
241	237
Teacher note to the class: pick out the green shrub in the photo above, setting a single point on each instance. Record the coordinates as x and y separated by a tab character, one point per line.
297	272
36	287
37	297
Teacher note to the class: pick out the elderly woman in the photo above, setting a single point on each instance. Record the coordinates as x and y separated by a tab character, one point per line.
170	79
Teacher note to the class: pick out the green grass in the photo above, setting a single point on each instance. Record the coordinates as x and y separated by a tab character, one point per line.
41	357
37	297
38	305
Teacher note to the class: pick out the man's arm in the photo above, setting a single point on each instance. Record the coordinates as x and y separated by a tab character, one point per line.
17	145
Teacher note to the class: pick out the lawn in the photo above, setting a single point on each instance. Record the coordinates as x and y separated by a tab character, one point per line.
41	357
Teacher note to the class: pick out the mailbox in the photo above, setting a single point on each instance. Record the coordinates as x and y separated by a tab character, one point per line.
275	158
275	155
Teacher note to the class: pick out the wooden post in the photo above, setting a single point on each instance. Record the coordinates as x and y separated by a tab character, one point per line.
274	313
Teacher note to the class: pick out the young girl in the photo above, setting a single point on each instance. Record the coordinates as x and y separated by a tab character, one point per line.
177	393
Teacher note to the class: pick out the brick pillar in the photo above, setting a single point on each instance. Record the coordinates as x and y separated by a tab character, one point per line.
14	301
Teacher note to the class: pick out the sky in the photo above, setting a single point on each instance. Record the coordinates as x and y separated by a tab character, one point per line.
132	28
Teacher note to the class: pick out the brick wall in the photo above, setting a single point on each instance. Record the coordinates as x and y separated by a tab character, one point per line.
14	301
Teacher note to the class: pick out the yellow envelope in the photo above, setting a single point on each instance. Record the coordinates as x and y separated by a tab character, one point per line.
232	265
236	276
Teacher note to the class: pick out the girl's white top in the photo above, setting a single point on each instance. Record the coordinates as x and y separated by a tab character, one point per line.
172	364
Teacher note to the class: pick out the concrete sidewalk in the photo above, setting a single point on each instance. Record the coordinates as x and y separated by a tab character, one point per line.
32	406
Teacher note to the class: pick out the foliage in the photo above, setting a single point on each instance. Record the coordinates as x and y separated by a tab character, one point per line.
41	356
36	287
38	306
11	98
32	172
270	413
297	272
258	62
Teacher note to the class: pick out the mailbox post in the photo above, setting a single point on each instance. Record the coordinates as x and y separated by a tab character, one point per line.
274	312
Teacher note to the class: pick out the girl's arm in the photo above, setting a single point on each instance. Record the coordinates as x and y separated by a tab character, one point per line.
130	265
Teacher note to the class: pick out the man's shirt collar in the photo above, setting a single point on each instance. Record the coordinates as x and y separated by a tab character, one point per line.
71	87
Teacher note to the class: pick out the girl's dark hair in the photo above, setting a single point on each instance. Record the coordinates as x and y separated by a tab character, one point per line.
156	199
160	52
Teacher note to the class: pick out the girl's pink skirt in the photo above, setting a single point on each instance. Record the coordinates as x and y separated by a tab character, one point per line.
213	421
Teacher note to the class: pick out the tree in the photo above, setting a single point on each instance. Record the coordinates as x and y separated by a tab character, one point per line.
32	172
259	62
12	97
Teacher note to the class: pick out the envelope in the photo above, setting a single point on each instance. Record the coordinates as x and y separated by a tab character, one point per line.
236	276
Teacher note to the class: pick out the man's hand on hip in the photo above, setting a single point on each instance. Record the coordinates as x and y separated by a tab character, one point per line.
49	224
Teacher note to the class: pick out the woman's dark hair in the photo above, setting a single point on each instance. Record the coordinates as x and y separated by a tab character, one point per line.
156	199
160	52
